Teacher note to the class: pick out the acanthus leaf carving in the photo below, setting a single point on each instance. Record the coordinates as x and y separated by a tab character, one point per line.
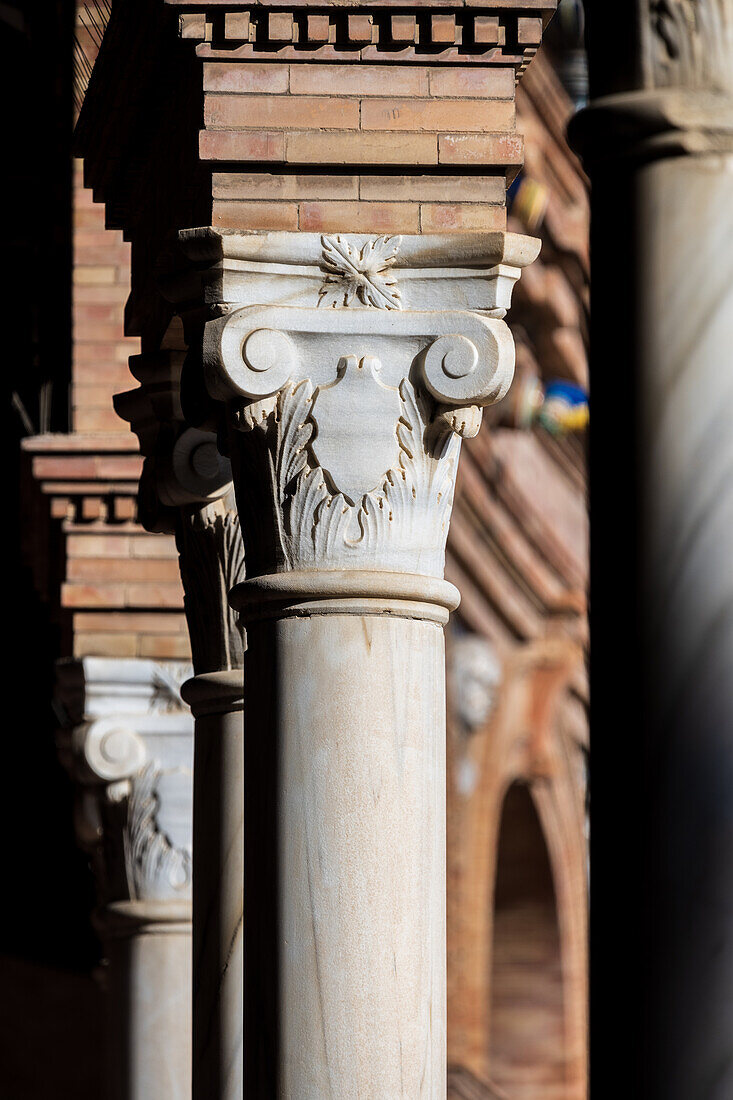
154	867
402	524
360	274
211	555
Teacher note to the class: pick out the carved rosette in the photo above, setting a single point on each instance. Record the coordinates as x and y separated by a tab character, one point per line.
345	428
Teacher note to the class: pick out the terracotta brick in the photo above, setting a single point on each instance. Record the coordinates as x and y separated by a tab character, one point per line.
359	28
98	546
60	507
161	646
529	30
494	149
93	508
255	215
280	27
105	645
447	217
99	420
84	275
139	622
490	189
240	145
443	28
318	28
87	216
92	595
105	570
104	254
225	76
119	467
266	185
94	331
66	467
154	595
193	25
237	25
112	295
103	354
365	80
90	313
403	28
487	30
98	235
154	546
372	217
281	112
124	508
362	148
436	115
115	374
92	397
475	81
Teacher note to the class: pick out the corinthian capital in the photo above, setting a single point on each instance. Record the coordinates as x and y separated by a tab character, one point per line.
345	405
667	86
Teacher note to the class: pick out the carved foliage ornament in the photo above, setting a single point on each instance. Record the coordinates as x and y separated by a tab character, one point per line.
692	44
402	523
361	275
154	867
348	457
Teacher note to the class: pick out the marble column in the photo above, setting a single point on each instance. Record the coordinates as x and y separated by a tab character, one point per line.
343	413
186	489
658	143
212	561
127	740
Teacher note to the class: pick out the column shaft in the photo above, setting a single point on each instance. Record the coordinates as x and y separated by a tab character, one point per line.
346	825
218	882
148	947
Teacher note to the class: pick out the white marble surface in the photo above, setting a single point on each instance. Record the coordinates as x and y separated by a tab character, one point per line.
348	371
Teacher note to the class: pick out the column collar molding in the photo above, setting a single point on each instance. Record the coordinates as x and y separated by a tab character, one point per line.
651	124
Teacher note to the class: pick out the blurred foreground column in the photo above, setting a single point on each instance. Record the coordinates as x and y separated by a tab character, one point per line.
658	142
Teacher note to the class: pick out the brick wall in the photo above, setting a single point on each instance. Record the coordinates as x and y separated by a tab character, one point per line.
101	283
451	131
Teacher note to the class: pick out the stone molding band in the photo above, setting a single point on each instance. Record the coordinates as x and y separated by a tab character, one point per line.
132	918
345	592
214	693
650	124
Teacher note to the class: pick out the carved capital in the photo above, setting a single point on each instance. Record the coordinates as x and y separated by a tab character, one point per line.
345	409
127	741
689	44
676	96
352	420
